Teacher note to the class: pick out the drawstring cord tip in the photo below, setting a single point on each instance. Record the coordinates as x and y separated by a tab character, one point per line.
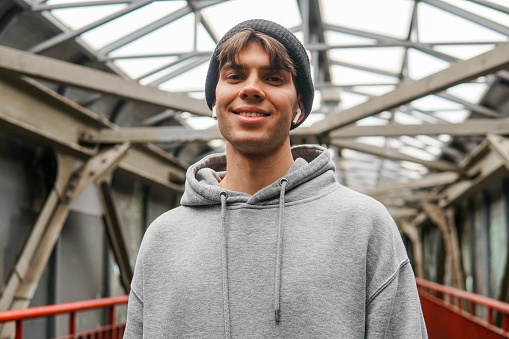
277	315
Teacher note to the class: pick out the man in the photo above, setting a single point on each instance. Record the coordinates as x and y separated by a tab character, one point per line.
266	243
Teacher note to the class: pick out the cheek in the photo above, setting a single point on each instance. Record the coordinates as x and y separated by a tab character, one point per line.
224	95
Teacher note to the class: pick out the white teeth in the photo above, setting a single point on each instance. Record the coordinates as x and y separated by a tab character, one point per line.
251	114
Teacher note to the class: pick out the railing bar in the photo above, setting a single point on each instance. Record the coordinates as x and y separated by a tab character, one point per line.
490	316
72	322
19	329
505	322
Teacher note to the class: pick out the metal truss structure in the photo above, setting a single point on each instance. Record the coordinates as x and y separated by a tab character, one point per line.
58	91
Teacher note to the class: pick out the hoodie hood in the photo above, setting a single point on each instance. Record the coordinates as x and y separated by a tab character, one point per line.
202	179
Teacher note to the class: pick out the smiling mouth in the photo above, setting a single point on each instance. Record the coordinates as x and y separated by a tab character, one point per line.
252	114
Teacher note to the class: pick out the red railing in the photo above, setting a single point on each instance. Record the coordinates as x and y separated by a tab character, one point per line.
111	331
453	313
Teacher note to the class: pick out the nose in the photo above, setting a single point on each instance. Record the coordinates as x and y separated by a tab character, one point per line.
252	90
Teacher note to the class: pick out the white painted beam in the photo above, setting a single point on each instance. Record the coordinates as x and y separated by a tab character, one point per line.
151	134
431	180
41	67
392	154
48	118
457	73
467	128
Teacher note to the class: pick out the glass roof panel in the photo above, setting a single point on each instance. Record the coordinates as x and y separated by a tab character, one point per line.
471	92
356	72
453	116
483	11
365	15
138	67
167	39
387	58
406	119
421	65
337	38
130	22
372	121
435	103
78	17
351	99
374	90
188	80
225	15
417	152
464	52
348	76
436	25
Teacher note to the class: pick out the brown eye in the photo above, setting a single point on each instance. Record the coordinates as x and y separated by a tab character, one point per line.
233	77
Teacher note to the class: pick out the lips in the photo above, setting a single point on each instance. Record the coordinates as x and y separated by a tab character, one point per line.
251	112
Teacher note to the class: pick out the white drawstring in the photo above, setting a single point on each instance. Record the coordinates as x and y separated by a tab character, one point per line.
226	290
279	256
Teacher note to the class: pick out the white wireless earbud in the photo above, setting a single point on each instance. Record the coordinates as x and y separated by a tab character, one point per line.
214	112
299	112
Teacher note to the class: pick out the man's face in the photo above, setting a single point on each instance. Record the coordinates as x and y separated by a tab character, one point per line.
255	104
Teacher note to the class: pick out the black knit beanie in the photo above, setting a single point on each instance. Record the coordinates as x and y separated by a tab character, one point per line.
295	51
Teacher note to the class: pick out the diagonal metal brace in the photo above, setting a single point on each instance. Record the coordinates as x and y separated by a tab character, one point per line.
500	145
32	261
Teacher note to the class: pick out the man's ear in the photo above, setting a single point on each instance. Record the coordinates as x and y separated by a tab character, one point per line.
296	120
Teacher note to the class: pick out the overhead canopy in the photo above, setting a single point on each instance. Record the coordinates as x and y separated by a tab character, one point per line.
418	69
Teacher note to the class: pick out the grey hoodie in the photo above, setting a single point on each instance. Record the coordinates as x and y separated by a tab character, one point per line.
302	258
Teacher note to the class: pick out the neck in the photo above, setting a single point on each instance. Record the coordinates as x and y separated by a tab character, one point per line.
249	173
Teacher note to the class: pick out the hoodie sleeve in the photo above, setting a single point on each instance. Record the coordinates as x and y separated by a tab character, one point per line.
134	324
394	311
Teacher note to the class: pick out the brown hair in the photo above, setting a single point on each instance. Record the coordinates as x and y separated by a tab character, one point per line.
278	56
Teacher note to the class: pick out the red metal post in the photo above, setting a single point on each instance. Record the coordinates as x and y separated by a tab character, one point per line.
505	322
72	322
19	329
490	315
111	321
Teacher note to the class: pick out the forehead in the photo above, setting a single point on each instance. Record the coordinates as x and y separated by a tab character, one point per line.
253	55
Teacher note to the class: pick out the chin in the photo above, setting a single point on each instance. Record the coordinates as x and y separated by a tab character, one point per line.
255	147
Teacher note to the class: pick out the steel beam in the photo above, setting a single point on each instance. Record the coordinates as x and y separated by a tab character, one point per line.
383	40
41	67
64	36
449	234
392	154
410	197
180	59
364	68
151	134
39	8
492	5
101	54
24	279
115	234
468	128
196	62
42	115
401	212
22	265
469	16
470	106
500	145
430	180
484	166
413	233
457	73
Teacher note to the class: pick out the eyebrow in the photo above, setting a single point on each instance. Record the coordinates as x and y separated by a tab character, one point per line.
237	66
